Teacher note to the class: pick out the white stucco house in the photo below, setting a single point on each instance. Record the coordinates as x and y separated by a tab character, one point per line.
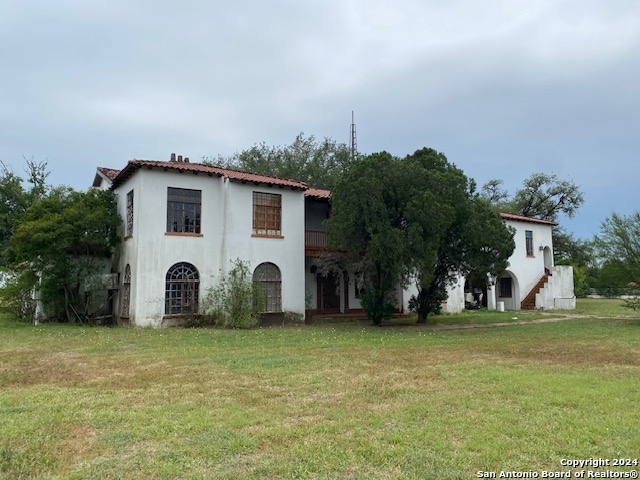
184	223
530	282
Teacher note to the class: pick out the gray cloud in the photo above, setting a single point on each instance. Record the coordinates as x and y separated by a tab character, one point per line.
503	88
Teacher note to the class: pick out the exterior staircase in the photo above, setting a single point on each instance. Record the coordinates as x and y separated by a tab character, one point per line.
529	302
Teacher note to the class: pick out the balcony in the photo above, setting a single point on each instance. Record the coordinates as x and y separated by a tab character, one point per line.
315	242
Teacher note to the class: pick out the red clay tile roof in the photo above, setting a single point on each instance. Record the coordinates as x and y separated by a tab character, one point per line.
233	175
318	193
110	173
522	218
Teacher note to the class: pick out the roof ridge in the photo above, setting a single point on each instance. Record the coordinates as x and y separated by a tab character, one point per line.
219	167
229	173
524	218
253	173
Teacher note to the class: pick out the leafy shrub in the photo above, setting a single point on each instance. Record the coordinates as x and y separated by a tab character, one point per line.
235	302
378	304
580	284
633	302
16	296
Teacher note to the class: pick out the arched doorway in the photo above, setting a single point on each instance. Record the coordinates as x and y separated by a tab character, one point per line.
548	258
508	291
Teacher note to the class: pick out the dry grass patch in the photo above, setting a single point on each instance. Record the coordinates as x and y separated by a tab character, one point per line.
324	401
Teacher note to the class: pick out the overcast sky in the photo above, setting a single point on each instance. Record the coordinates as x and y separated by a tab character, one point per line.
503	88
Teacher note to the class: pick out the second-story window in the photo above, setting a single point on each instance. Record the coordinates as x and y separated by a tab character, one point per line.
183	210
528	236
129	214
267	214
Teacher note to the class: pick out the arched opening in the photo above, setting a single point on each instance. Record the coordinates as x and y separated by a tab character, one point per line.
181	290
269	281
126	292
548	258
508	291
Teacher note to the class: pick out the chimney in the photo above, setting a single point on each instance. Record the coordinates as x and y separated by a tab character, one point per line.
186	159
179	158
173	157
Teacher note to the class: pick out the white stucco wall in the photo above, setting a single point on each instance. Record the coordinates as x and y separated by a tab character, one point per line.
558	291
529	269
453	304
151	252
525	271
354	303
287	252
226	234
455	297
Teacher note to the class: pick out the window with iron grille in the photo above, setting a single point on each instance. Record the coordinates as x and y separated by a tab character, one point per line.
126	292
528	236
269	282
267	214
129	214
183	210
505	287
181	291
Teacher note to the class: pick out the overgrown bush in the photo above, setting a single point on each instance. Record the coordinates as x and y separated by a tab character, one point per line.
236	301
378	304
633	302
580	284
16	296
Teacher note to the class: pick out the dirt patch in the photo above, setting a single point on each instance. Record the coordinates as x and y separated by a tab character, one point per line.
504	324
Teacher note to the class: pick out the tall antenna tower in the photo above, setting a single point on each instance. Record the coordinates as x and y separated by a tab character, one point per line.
353	143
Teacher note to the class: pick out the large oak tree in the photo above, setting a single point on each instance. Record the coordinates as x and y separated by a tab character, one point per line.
306	159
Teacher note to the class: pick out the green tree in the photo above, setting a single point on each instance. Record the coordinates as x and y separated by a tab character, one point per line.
459	234
546	196
63	239
15	198
611	278
618	247
542	195
413	219
494	193
317	162
367	223
569	250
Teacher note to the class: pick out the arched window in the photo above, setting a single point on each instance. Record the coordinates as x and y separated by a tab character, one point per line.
267	277
181	292
126	292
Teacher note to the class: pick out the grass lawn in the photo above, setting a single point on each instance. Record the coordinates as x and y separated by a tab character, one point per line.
330	400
